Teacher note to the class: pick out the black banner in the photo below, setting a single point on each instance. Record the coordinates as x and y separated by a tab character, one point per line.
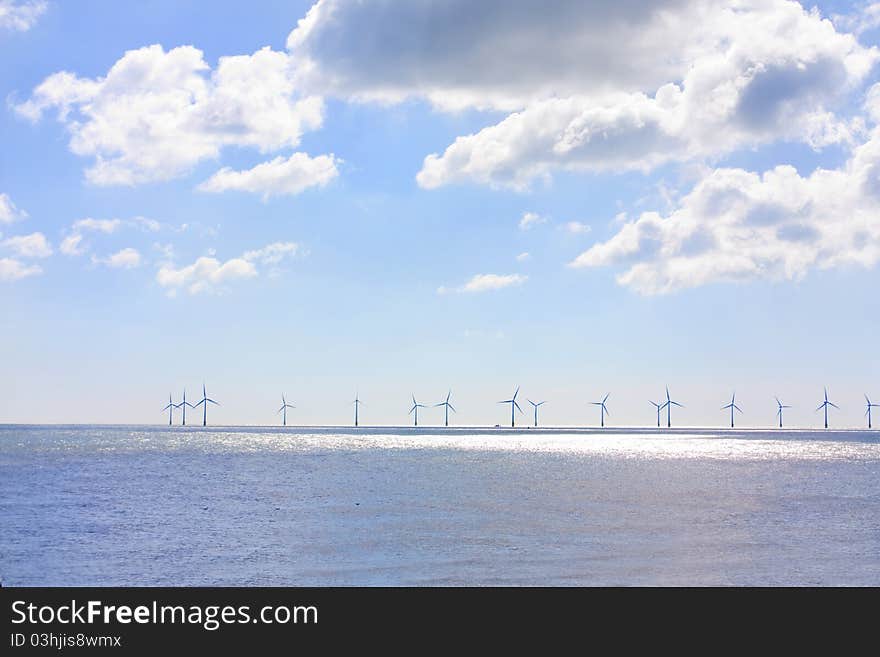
147	620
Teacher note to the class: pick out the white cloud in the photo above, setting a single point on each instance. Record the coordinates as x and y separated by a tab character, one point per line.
273	253
486	282
281	176
8	211
576	228
20	15
696	79
71	245
156	114
530	219
97	225
13	270
127	258
207	273
34	245
738	225
522	257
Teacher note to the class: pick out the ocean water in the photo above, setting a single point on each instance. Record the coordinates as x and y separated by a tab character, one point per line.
137	505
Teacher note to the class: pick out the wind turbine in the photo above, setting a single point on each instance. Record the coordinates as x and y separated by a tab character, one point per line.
357	402
183	405
170	408
283	410
535	405
658	407
602	409
868	412
668	404
415	409
513	404
732	406
825	404
447	406
204	401
779	412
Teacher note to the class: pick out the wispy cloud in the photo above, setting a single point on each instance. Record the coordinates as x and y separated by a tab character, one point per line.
8	211
522	257
530	219
278	177
485	283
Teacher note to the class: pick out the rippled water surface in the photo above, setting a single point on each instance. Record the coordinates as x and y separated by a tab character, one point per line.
246	506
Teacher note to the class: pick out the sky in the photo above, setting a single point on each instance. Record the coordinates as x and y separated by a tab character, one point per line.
398	197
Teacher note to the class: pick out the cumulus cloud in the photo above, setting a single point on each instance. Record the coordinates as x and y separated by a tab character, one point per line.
779	77
208	273
530	219
8	211
696	79
281	176
13	270
127	258
20	15
738	225
34	245
486	282
204	274
156	114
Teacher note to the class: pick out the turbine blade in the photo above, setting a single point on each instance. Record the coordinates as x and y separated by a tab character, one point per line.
834	405
452	408
605	399
677	404
738	408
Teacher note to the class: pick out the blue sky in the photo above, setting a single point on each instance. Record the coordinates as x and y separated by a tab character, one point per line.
344	211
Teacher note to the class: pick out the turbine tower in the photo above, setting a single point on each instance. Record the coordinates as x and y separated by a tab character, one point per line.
825	404
170	408
732	406
668	404
513	404
602	409
415	409
283	410
357	403
535	405
183	405
203	402
779	412
446	406
658	407
868	412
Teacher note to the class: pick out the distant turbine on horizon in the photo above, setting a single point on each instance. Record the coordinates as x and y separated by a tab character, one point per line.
513	404
602	409
779	412
415	409
868	412
658	407
182	405
825	404
733	407
535	405
170	408
283	410
446	406
357	403
668	404
203	402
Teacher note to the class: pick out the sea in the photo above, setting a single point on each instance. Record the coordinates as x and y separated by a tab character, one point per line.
392	506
